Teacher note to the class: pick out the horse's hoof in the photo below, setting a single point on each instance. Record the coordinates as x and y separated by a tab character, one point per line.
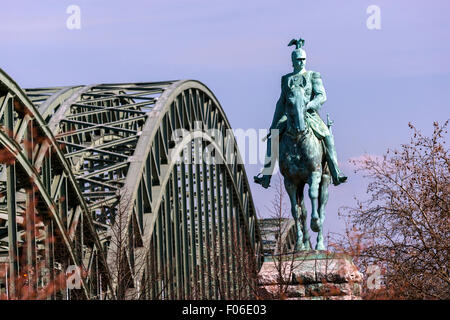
320	247
300	247
315	224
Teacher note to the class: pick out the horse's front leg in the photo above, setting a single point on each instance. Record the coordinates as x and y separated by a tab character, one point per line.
292	193
323	199
304	216
314	181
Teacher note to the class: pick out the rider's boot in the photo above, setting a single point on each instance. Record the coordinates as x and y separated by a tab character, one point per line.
336	174
263	178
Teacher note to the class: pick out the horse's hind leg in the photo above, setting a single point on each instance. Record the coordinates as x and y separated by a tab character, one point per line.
314	182
323	199
304	216
292	192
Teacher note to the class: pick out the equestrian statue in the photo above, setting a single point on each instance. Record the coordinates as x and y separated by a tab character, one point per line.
306	151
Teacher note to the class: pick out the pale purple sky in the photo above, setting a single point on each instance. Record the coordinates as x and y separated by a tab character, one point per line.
376	80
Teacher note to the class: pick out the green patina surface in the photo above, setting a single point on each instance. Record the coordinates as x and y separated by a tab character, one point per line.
308	255
306	150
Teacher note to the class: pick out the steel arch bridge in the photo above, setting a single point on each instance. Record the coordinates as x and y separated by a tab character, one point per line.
93	176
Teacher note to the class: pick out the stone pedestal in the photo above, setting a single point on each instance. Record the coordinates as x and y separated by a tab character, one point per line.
310	275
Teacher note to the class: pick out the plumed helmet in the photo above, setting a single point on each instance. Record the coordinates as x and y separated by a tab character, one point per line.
298	52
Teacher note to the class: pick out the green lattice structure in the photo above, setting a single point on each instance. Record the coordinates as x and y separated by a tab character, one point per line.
89	177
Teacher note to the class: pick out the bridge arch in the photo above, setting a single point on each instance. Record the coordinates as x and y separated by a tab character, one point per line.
43	230
190	102
168	229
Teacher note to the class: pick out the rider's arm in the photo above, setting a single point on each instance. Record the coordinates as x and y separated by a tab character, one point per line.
319	92
279	110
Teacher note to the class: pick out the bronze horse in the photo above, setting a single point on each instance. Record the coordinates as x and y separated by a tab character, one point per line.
302	161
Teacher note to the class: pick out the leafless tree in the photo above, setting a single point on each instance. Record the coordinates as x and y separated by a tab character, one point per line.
403	227
281	251
126	252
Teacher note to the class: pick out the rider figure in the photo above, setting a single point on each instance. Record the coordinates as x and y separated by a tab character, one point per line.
310	84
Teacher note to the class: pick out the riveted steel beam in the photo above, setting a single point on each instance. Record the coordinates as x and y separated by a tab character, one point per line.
183	221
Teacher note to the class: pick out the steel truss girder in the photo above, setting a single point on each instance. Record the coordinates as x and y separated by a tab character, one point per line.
183	222
55	223
166	108
279	236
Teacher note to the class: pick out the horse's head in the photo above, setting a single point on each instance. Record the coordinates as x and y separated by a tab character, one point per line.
296	111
